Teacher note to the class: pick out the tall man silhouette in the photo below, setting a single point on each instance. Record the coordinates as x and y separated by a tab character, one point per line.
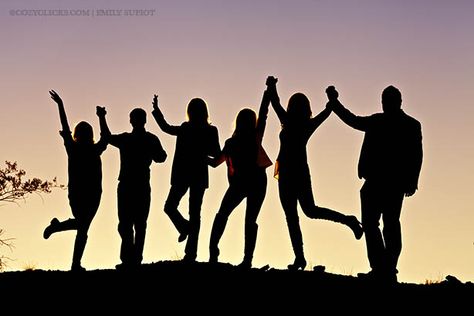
390	162
137	151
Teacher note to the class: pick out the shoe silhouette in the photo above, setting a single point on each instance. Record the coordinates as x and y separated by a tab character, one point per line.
299	264
319	269
379	277
78	268
182	237
213	254
245	265
126	266
52	227
189	260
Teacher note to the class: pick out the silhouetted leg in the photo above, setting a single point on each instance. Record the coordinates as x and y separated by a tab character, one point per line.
196	194
79	246
171	209
288	201
371	213
392	231
310	209
232	198
254	204
142	209
84	212
69	224
126	202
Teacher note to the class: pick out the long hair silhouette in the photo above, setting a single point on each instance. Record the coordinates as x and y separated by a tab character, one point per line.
197	111
83	133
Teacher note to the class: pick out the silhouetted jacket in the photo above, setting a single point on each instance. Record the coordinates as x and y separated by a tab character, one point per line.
194	144
392	151
244	154
84	167
137	150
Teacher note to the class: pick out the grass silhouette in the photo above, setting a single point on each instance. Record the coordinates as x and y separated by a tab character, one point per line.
223	288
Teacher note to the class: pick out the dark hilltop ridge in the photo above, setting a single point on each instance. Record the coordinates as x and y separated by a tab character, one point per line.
223	288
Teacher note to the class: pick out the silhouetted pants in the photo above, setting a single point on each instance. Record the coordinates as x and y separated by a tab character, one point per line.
191	226
294	188
133	208
83	209
379	201
254	191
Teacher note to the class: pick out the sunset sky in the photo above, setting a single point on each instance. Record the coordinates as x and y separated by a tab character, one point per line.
222	51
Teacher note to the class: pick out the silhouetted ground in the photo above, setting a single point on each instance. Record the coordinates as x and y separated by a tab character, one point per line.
173	287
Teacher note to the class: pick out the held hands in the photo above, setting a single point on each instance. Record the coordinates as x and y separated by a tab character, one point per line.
100	111
55	96
332	93
271	81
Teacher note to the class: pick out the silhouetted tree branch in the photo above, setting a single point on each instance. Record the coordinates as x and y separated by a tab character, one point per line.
7	242
14	187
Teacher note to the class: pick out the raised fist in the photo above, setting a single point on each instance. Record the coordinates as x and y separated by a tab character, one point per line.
100	110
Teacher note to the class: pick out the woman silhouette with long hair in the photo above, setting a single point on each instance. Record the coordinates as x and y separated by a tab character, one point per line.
292	170
84	178
196	141
246	165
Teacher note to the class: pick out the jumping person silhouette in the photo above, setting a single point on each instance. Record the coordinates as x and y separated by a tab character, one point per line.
390	162
292	170
246	165
196	141
138	150
84	178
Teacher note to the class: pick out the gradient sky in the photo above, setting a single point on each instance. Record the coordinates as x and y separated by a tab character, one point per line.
222	51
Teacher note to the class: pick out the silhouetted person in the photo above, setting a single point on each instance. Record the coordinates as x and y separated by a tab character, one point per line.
246	164
138	150
390	162
196	141
84	178
292	170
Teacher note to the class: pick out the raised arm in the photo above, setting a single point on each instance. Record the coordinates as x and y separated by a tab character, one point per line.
104	128
358	122
275	99
263	114
160	119
320	118
62	113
